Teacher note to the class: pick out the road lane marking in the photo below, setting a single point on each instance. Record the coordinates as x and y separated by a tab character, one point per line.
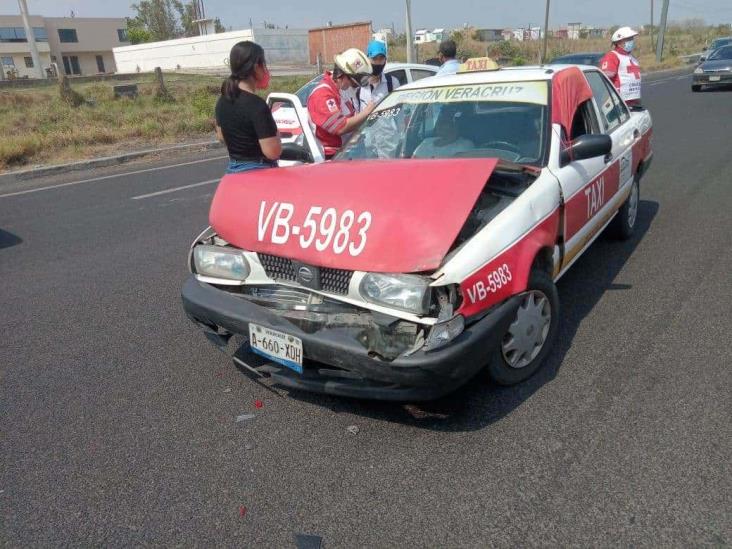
175	189
103	177
655	82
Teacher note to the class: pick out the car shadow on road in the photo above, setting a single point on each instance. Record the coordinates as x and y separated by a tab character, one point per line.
480	402
718	89
8	240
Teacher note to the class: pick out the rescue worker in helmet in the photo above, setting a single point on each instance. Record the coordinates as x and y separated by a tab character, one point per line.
332	124
621	67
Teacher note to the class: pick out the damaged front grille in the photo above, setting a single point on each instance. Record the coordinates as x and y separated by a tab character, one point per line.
335	281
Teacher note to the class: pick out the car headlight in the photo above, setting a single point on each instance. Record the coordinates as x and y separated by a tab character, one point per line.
220	262
410	293
698	70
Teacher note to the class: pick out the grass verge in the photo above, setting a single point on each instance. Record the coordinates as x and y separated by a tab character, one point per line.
39	127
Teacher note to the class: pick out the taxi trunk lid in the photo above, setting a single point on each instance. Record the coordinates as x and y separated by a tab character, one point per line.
399	216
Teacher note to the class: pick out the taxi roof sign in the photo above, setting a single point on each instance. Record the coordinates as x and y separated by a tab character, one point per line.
475	64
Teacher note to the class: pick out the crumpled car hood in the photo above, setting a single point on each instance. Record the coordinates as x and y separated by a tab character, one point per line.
397	216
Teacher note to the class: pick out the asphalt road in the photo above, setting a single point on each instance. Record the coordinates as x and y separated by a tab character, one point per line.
118	420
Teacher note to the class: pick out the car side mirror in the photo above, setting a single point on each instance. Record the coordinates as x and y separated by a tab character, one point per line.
296	153
587	146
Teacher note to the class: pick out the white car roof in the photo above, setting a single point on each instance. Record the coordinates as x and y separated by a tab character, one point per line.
508	74
396	66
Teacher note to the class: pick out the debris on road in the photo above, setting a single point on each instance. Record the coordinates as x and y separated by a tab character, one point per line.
242	511
244	417
227	390
258	404
353	429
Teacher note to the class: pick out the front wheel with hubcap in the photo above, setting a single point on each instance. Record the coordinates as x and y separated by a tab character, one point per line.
530	336
624	223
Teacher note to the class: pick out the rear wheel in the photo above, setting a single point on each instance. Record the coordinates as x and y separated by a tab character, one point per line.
696	87
531	334
623	225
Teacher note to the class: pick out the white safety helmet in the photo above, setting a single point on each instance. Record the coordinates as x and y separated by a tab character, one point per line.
353	62
623	33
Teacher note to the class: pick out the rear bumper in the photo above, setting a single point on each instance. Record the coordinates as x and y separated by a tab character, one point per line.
337	361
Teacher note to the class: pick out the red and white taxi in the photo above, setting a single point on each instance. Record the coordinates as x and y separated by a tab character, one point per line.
429	248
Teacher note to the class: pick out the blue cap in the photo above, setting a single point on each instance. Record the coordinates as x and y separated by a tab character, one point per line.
376	47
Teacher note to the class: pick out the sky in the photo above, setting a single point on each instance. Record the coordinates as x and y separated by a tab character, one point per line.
425	13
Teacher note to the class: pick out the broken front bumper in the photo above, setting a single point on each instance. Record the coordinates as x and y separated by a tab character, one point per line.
337	357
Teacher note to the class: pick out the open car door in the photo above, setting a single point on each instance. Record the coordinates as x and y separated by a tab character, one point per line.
299	144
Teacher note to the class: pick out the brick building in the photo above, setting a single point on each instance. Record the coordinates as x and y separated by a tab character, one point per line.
333	39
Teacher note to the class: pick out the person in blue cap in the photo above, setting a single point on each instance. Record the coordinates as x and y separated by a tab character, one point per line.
379	84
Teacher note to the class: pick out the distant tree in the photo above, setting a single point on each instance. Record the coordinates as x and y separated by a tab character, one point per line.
219	26
158	18
457	37
138	35
136	32
187	15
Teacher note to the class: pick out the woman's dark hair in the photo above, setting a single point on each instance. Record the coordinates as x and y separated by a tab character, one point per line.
244	58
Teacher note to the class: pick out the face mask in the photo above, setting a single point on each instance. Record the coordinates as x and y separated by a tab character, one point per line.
263	83
376	70
629	46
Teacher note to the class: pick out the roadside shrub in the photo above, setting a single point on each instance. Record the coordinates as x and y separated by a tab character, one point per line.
204	102
16	151
518	61
12	99
100	93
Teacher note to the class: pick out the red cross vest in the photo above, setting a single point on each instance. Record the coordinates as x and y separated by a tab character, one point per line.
629	77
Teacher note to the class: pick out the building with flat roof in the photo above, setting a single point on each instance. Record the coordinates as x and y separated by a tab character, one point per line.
78	45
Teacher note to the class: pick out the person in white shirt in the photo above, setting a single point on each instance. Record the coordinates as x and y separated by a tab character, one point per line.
379	85
446	54
383	136
446	142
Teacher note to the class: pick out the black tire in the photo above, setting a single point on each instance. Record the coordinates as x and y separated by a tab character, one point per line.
623	225
499	367
696	87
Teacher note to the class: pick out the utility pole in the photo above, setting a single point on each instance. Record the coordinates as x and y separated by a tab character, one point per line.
662	31
31	39
651	23
546	33
410	37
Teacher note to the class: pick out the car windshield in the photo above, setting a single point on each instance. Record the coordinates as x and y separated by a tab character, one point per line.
506	120
721	53
719	42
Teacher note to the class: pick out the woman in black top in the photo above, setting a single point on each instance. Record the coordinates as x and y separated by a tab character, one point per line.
243	119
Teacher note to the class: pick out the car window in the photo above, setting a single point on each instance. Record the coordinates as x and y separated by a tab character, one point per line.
722	53
419	74
621	108
400	75
502	120
612	112
584	121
